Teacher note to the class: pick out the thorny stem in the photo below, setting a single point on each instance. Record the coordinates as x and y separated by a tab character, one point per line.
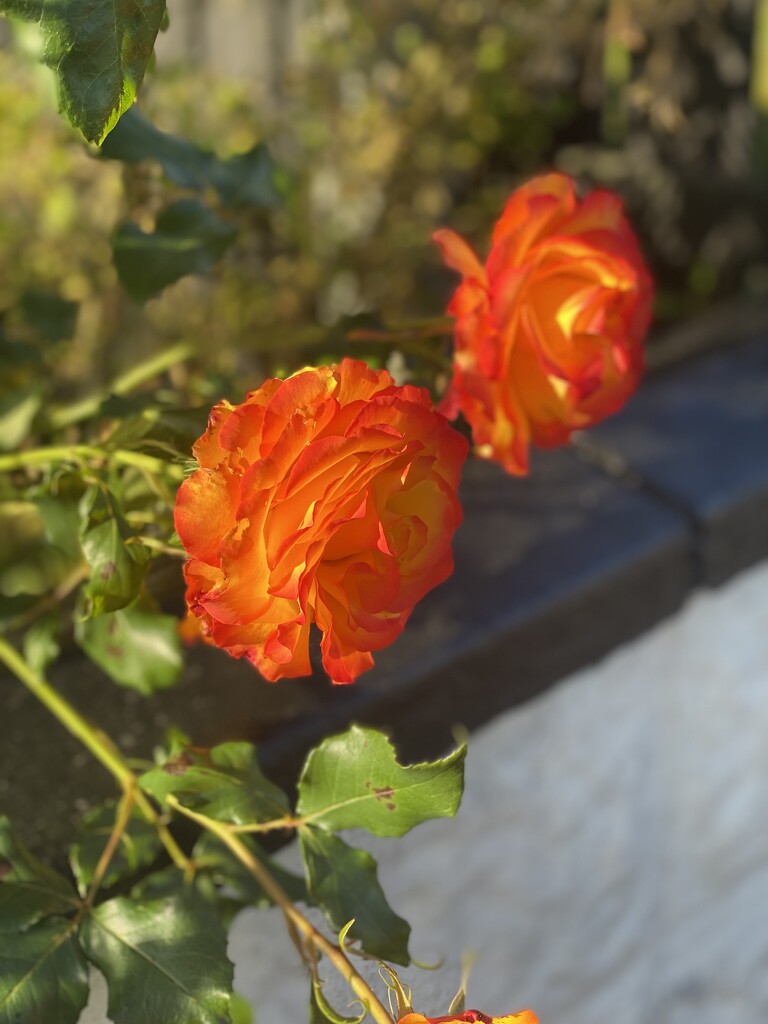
99	744
293	915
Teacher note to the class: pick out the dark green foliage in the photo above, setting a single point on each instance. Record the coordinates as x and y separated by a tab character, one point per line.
246	180
136	647
164	960
189	238
224	783
344	884
99	50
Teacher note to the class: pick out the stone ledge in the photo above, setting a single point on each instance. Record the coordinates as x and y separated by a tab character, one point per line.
697	437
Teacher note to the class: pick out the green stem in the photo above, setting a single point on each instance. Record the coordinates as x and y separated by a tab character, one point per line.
293	915
84	453
88	406
275	825
121	823
99	744
159	546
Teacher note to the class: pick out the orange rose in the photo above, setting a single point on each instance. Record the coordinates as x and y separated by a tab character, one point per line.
549	333
330	498
472	1017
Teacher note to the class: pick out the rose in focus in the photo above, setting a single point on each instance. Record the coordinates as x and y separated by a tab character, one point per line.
472	1017
326	498
549	332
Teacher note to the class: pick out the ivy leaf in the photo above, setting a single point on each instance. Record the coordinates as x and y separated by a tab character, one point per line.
99	51
354	781
136	647
43	975
188	239
29	890
344	884
226	870
138	846
225	783
164	960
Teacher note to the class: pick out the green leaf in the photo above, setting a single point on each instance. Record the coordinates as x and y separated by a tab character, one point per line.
344	884
40	645
50	317
165	960
17	413
39	545
117	568
247	180
136	647
23	905
240	1010
29	890
226	870
243	180
188	239
225	783
99	51
138	846
42	972
135	138
61	520
43	975
354	781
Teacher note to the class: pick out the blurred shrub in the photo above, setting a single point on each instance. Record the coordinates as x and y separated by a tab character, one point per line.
402	115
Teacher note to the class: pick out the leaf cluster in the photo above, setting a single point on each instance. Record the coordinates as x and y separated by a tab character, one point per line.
157	933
